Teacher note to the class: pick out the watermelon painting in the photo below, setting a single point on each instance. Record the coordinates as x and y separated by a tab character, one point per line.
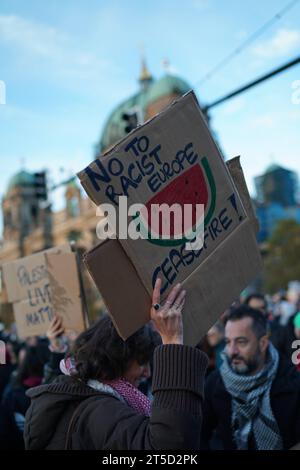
194	186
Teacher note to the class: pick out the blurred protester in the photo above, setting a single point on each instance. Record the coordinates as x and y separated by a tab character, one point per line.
253	401
204	346
296	341
259	302
293	294
212	344
14	347
284	341
2	330
32	341
12	351
96	404
10	437
58	346
283	310
28	374
5	371
215	338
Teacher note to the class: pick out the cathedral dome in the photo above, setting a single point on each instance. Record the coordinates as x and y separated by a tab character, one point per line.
151	91
20	179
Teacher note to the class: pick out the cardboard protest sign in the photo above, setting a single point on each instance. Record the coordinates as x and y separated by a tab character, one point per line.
41	286
172	159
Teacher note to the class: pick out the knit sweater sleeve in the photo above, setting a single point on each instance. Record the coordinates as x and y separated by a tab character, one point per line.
176	415
178	378
178	390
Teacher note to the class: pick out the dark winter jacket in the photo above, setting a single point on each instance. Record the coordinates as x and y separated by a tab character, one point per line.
285	403
107	423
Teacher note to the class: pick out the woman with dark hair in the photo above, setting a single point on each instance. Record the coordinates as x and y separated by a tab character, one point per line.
96	403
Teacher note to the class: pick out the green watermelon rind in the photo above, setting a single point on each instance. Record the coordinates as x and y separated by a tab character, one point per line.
167	242
213	191
212	187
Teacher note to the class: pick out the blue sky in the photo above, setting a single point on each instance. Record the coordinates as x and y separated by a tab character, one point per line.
67	64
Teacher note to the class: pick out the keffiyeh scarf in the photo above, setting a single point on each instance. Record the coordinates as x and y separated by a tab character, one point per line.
251	408
120	388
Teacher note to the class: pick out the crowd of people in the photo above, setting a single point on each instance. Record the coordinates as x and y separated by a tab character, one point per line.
239	388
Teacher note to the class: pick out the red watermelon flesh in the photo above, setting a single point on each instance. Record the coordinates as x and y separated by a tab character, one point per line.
188	188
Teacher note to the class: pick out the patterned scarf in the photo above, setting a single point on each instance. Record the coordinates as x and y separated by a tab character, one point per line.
251	408
132	396
120	388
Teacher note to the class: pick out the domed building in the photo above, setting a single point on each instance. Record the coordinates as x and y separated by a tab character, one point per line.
153	97
22	178
29	224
